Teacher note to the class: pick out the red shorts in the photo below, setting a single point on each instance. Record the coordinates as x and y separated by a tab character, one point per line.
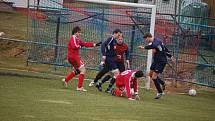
76	62
121	87
120	91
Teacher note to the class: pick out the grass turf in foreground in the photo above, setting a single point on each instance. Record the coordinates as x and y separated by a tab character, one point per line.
35	97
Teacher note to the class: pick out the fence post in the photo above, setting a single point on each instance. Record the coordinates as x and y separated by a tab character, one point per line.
132	44
57	38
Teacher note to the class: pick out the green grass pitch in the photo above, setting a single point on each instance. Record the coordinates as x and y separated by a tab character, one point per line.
26	96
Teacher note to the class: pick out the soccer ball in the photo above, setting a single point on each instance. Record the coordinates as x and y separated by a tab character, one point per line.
192	92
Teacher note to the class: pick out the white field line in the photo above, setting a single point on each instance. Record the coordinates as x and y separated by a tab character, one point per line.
56	101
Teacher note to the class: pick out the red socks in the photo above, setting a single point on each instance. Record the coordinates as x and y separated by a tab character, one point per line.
80	80
118	93
70	76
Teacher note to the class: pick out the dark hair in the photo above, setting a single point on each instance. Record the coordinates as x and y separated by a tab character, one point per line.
76	29
117	31
138	74
147	35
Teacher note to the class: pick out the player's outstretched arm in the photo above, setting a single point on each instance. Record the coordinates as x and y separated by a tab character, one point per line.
128	88
127	55
169	55
98	44
128	64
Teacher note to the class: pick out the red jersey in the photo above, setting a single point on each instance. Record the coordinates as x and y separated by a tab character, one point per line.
75	44
121	49
125	79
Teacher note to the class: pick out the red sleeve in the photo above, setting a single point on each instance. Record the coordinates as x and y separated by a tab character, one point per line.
73	43
127	87
126	46
135	85
86	44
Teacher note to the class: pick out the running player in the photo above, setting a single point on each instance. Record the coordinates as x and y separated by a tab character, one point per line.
159	61
74	45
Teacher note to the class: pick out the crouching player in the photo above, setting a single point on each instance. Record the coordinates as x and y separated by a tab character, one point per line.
125	81
74	59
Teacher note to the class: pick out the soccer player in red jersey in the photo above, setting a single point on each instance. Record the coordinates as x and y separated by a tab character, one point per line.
74	45
125	81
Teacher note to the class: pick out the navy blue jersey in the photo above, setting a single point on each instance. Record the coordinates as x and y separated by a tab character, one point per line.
161	53
108	47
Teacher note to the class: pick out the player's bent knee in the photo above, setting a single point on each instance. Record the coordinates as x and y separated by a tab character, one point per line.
154	77
82	70
115	71
110	74
77	71
150	74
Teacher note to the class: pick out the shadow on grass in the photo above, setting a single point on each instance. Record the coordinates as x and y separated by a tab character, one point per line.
22	75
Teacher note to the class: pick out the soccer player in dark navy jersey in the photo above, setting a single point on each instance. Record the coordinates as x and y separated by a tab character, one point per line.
159	61
121	50
108	56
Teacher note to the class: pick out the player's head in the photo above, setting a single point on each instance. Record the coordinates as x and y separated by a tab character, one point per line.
117	33
148	37
76	31
138	74
120	39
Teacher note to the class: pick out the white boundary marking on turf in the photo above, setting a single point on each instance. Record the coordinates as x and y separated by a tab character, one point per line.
56	101
59	90
182	93
28	116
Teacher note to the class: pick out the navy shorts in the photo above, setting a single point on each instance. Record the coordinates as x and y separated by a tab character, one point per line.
121	66
111	63
157	67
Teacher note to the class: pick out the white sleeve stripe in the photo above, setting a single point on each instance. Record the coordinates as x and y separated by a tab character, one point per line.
74	38
110	41
129	83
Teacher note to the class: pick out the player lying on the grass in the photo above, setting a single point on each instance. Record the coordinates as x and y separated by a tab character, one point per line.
125	81
121	49
159	61
74	44
108	56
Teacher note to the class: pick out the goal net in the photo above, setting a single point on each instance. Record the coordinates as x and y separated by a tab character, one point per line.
51	23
